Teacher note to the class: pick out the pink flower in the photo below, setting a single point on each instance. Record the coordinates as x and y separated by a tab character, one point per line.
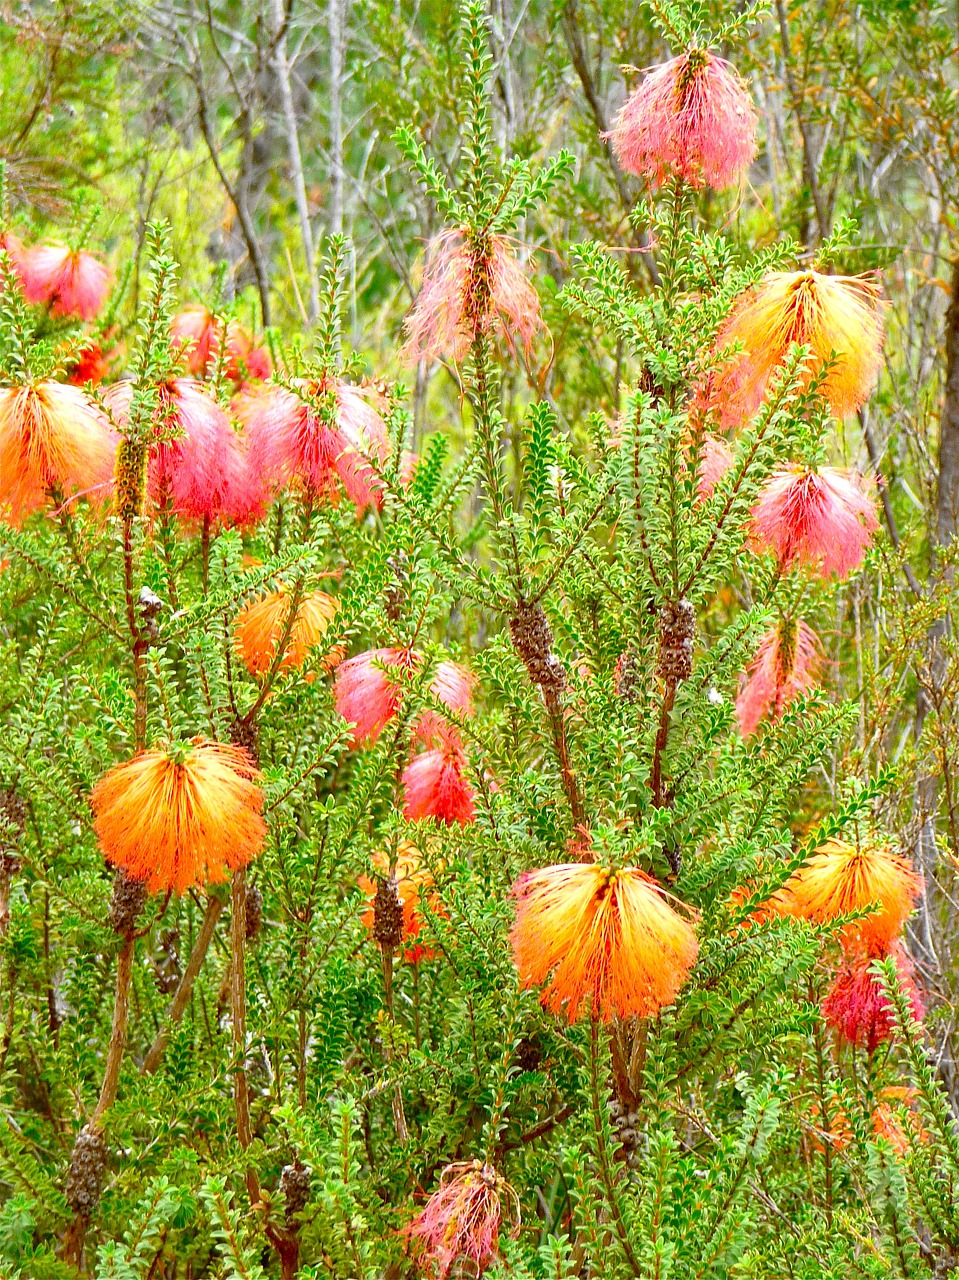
13	247
715	460
196	331
824	519
246	360
460	1223
465	285
692	117
367	698
434	782
71	284
787	664
857	1006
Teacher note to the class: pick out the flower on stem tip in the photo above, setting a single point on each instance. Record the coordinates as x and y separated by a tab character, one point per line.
461	1221
787	664
857	1005
825	519
261	624
413	880
198	330
434	781
367	698
692	117
606	939
179	820
467	282
52	438
73	284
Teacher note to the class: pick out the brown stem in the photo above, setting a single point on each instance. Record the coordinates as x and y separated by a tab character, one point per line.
399	1114
241	1092
118	1035
656	776
557	724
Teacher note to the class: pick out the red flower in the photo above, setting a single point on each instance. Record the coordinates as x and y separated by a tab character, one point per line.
71	284
787	664
369	699
857	1006
434	782
825	519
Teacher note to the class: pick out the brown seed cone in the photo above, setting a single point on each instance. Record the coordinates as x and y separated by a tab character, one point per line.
677	627
88	1164
245	734
254	911
295	1188
628	676
388	914
129	896
529	1053
533	641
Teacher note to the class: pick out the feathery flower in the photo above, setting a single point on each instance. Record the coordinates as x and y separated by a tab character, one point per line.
52	437
262	623
840	879
246	360
606	939
825	519
92	364
195	331
857	1006
897	1102
71	284
179	820
835	316
413	881
434	782
691	116
460	1222
367	698
715	459
787	664
465	285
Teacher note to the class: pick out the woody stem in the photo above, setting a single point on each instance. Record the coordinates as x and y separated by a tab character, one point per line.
241	1093
399	1113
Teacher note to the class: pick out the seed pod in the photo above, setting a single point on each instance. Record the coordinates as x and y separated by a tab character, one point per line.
529	1053
88	1164
677	627
533	641
388	914
254	911
129	896
13	819
295	1188
245	734
130	483
628	676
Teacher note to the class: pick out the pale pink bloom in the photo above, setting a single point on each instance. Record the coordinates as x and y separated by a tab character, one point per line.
692	117
787	664
13	247
246	359
825	519
367	697
464	289
715	459
196	331
857	1005
434	782
460	1223
71	284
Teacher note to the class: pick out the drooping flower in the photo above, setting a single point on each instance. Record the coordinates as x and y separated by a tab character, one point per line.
53	438
858	1007
246	359
838	317
261	625
825	519
73	284
606	939
435	784
461	1221
841	879
178	820
787	664
367	697
414	880
715	459
467	283
691	116
196	332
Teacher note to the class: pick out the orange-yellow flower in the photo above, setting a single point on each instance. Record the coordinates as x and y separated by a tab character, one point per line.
841	879
413	880
175	820
260	627
605	938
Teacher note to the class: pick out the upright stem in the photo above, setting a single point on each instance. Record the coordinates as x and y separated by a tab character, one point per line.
118	1035
399	1114
241	1093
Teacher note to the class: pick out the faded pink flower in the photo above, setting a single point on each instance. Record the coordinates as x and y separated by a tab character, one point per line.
825	519
465	285
434	782
857	1006
367	698
196	332
715	459
460	1222
787	664
691	116
246	359
71	284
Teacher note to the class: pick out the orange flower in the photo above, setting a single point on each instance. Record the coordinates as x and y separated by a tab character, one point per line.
261	624
840	879
887	1122
51	437
838	1135
413	879
176	820
603	937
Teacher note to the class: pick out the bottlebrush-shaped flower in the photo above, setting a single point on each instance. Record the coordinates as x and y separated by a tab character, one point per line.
367	697
835	316
53	438
715	459
898	1102
434	781
196	332
180	819
607	940
840	879
693	117
262	624
825	519
91	365
466	284
292	442
413	881
246	359
787	664
73	284
460	1223
858	1007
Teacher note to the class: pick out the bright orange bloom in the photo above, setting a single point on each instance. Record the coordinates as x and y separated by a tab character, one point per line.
604	938
898	1101
413	880
261	624
178	820
461	1222
838	316
840	879
838	1135
51	437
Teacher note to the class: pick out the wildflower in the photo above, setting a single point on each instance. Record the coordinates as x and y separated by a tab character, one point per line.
825	519
246	360
857	1005
369	699
786	665
414	882
195	331
466	283
262	624
691	116
898	1101
603	937
838	1134
841	879
181	819
73	284
461	1222
53	439
715	460
91	365
838	317
434	782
